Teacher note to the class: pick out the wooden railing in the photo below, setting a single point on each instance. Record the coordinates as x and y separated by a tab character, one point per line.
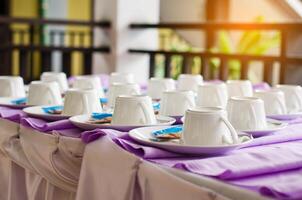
29	42
205	56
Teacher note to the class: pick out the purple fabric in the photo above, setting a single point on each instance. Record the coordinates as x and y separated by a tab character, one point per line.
261	86
10	114
62	127
290	120
267	165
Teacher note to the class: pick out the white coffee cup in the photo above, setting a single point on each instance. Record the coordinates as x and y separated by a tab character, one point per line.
133	110
121	77
189	81
89	82
59	77
246	113
212	95
208	126
293	97
44	93
175	103
11	86
117	89
78	102
274	101
239	88
156	86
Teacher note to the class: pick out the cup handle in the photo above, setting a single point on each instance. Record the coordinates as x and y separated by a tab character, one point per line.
254	116
232	130
218	97
282	106
85	104
299	100
134	92
52	94
144	107
12	88
191	102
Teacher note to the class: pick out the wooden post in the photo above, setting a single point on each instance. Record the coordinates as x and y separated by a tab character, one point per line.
167	65
283	57
30	66
46	61
244	69
87	62
186	65
223	70
268	72
66	62
151	65
24	61
205	69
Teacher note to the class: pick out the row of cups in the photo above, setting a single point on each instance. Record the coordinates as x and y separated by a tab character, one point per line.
283	99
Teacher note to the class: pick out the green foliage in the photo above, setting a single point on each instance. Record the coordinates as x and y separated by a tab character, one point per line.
252	42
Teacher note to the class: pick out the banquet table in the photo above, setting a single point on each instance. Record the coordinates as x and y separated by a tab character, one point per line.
55	160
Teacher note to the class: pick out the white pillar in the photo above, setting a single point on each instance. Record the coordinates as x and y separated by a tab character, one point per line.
121	13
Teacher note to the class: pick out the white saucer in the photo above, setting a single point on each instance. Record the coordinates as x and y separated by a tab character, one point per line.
290	116
7	101
272	126
81	121
144	136
38	112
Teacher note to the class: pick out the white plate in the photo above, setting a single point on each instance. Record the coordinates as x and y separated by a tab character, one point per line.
286	116
272	126
7	101
144	136
81	122
38	112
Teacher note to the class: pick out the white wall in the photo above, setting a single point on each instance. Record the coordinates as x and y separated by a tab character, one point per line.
121	13
56	9
185	11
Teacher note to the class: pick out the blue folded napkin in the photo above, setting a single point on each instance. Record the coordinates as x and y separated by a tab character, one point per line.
103	100
166	131
52	109
100	115
156	106
19	101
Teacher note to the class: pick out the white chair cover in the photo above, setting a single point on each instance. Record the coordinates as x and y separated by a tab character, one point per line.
109	172
56	158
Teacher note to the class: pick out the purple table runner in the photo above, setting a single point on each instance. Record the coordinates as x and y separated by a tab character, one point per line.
62	127
271	165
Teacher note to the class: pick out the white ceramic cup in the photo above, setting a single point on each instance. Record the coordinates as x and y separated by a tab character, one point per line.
189	81
246	113
11	86
117	89
239	88
274	101
156	87
175	103
121	77
89	82
208	126
293	97
59	77
78	102
133	110
212	95
44	93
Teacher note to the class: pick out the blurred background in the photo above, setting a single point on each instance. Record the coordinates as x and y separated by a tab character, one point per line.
258	40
